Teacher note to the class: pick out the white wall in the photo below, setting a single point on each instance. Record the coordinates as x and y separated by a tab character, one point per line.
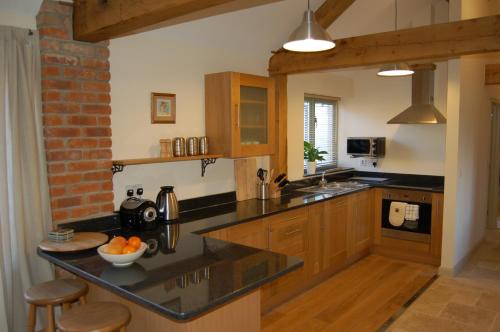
467	146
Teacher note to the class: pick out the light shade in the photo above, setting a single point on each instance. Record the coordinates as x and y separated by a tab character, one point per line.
395	69
309	36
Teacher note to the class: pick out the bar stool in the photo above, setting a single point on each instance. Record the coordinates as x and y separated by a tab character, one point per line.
95	317
51	293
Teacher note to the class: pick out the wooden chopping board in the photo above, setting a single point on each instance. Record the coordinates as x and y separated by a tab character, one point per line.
245	172
80	241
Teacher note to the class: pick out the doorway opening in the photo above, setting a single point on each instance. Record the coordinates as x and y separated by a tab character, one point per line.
494	177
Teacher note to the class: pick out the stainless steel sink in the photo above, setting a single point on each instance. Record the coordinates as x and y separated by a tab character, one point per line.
335	188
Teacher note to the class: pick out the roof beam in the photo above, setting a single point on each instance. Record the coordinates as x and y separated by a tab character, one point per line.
492	74
98	20
330	10
439	41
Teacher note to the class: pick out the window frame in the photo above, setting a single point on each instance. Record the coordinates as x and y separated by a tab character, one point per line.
336	100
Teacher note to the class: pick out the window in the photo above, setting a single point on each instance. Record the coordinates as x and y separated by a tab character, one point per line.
320	127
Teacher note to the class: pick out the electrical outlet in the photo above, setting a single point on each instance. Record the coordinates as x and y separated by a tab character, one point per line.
365	162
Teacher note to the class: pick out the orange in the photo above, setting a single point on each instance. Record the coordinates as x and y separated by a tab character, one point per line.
114	249
134	241
129	249
119	240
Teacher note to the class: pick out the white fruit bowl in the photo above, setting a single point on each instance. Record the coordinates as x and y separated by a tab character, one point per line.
121	260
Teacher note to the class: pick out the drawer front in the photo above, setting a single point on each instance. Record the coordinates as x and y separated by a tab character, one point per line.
252	234
288	236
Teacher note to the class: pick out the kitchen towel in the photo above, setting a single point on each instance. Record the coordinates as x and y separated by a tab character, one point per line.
397	213
412	212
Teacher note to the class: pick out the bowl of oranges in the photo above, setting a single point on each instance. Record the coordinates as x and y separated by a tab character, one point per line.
122	252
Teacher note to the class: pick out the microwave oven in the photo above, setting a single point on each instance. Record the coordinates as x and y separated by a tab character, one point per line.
366	146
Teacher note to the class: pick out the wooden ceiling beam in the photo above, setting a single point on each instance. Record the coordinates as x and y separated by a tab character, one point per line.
330	10
439	41
492	74
98	20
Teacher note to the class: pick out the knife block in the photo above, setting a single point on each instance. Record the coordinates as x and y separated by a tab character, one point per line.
274	190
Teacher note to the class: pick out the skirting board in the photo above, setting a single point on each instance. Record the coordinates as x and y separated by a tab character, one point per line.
457	268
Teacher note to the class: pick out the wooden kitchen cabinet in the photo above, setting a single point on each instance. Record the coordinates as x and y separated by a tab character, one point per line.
360	228
252	234
239	114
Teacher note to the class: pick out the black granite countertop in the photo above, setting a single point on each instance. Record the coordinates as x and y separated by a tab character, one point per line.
199	273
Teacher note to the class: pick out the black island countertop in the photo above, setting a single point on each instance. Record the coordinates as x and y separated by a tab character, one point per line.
200	273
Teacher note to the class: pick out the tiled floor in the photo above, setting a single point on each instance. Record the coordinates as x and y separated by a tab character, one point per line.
469	302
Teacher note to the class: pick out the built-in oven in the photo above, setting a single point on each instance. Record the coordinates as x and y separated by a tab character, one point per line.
413	229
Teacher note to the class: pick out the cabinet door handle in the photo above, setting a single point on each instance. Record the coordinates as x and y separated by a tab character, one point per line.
293	231
237	110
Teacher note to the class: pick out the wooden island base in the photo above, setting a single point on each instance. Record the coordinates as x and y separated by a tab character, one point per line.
242	315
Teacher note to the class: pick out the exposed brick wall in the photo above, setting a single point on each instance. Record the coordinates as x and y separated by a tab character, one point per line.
76	117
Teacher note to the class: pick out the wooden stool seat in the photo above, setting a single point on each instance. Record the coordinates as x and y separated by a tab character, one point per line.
56	292
95	317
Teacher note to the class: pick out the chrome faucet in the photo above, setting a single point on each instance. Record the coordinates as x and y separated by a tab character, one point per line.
323	182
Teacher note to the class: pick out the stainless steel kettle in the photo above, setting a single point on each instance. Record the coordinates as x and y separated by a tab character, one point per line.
168	208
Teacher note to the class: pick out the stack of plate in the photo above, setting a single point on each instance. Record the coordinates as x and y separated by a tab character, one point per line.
61	235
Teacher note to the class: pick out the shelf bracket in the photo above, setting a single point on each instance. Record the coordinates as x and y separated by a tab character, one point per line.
117	168
205	163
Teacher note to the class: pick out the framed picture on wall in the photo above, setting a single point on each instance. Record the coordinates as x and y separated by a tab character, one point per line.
162	107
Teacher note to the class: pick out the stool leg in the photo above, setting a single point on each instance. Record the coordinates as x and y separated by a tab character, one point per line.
82	300
66	306
32	318
50	318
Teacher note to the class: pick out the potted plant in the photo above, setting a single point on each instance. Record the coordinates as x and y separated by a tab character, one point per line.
312	154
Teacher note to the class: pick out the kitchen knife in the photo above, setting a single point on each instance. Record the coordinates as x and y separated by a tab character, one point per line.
279	178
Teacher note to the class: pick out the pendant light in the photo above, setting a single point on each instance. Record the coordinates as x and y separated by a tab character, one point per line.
309	36
395	69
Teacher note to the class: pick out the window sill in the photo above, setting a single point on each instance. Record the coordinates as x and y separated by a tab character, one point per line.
328	170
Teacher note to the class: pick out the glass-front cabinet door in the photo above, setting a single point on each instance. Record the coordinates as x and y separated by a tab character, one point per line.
254	116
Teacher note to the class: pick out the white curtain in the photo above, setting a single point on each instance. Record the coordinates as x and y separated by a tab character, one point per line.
24	195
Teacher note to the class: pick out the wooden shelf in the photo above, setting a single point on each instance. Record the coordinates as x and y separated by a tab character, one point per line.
141	161
254	102
206	159
253	127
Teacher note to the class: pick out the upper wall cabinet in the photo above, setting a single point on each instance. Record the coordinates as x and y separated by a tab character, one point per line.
239	114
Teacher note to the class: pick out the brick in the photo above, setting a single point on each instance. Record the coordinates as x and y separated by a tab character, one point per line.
97	132
79	49
104	98
83	143
56	168
50	19
100	197
80	73
64	179
53	33
51	144
107	185
60	85
89	165
97	109
60	215
96	176
96	86
82	188
57	191
95	63
56	7
85	211
97	154
109	207
81	97
62	132
102	52
50	71
52	120
105	143
65	202
60	59
81	120
62	155
48	96
49	45
61	108
104	121
103	76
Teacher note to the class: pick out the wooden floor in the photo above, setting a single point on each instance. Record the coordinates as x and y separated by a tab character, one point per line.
360	298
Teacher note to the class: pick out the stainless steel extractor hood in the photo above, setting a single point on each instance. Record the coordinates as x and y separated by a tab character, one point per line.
422	109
